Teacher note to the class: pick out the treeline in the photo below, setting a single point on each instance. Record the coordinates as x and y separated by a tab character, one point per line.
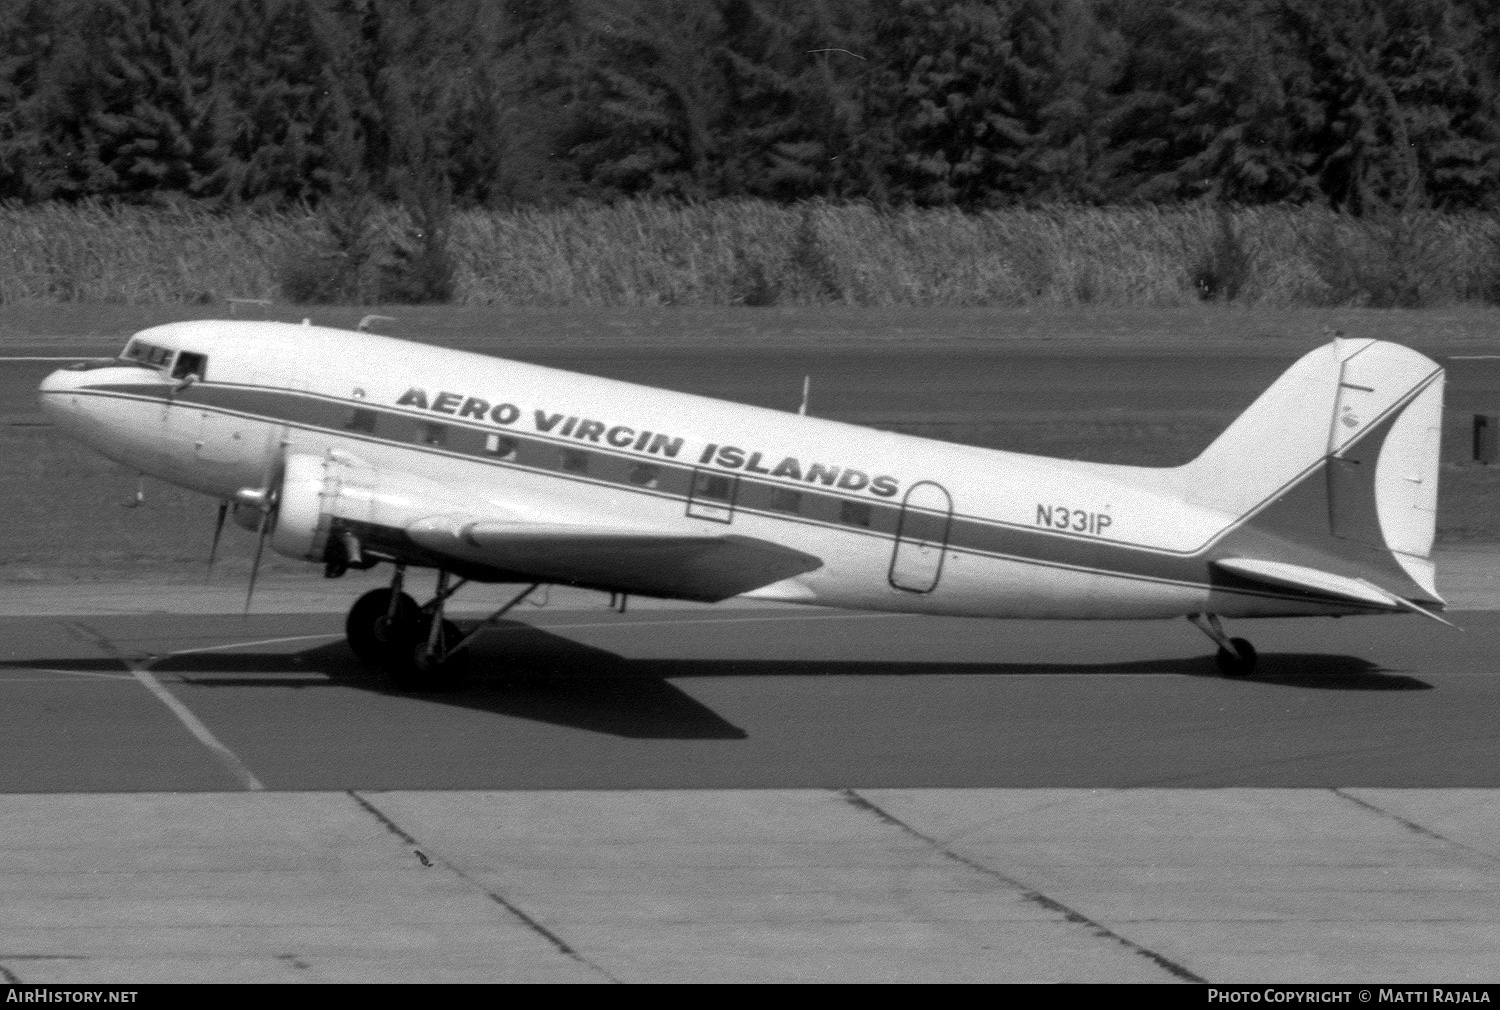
1353	105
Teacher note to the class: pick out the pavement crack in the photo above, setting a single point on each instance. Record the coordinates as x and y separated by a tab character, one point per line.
380	816
515	910
1411	825
1028	893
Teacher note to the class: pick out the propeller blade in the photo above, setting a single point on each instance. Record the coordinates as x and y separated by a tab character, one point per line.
213	550
268	511
260	546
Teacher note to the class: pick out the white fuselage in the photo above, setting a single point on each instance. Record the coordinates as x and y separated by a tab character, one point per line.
901	523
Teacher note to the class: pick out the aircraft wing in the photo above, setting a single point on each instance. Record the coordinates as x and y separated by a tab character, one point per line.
650	563
1314	580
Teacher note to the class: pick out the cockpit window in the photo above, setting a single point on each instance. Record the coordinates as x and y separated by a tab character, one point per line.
149	354
189	364
94	363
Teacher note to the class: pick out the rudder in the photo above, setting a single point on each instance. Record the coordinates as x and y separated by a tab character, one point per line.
1369	415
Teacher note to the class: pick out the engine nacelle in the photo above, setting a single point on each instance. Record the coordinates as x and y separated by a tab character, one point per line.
323	497
305	507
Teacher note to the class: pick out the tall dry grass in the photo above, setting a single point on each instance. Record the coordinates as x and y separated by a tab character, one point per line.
135	255
752	252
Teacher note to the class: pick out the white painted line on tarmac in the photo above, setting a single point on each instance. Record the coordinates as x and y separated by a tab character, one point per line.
210	676
327	636
48	680
138	667
86	357
1474	357
205	736
246	645
593	624
725	620
70	673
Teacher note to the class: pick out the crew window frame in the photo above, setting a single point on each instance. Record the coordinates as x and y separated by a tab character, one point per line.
189	364
146	353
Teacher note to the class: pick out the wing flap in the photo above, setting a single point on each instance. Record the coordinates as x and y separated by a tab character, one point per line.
644	562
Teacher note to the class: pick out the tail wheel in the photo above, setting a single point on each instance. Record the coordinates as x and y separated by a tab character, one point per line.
1240	663
371	632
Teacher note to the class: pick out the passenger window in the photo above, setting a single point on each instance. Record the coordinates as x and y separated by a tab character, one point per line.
361	419
784	499
713	486
854	513
434	434
190	364
575	461
645	475
501	445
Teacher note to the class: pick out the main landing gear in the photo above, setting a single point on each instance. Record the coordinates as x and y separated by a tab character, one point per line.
1236	656
382	621
417	645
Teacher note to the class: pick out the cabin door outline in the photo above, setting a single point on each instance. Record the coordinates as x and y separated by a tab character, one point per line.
922	532
712	494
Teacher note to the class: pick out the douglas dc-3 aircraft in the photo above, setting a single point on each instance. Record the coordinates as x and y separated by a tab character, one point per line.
349	449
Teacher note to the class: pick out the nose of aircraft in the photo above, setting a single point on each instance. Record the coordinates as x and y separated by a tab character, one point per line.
55	392
60	401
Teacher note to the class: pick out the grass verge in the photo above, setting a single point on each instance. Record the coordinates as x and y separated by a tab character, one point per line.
500	330
743	252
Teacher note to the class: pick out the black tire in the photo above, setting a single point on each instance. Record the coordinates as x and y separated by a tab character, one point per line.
1242	665
417	672
369	635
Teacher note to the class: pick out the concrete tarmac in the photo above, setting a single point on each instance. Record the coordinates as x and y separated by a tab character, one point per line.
715	698
869	885
749	794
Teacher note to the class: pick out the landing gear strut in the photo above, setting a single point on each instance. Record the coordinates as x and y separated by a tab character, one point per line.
432	659
383	622
417	645
1236	656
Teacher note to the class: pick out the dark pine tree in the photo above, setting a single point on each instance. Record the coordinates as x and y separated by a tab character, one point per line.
798	74
949	103
650	97
30	31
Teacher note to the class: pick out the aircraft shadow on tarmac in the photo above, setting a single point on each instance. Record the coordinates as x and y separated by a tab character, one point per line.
536	676
530	673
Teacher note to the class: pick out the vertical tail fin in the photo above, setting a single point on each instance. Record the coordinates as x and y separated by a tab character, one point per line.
1338	459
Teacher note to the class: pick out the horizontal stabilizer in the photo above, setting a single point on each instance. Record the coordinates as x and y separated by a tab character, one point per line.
684	567
1314	580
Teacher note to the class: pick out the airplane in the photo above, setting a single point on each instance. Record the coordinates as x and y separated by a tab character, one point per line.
350	449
